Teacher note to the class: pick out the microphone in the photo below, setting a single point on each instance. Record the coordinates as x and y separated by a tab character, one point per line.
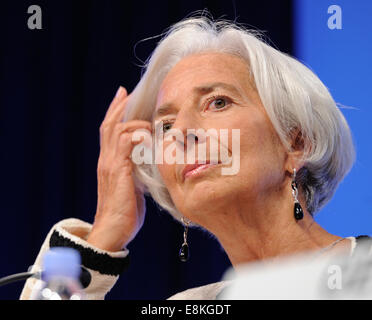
18	277
85	277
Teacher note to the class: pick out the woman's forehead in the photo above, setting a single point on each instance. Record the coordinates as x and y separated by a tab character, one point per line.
197	69
200	74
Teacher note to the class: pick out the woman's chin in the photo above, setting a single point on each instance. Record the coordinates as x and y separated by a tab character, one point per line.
204	195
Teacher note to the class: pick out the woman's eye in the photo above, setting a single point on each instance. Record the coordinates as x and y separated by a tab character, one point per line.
218	103
162	126
166	126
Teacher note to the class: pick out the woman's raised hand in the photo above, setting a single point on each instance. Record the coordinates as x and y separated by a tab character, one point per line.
120	206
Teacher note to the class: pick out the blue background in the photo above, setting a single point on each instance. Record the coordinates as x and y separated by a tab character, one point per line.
342	60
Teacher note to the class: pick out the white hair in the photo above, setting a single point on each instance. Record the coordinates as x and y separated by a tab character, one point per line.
293	96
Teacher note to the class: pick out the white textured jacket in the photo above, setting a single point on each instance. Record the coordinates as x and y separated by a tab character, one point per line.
103	266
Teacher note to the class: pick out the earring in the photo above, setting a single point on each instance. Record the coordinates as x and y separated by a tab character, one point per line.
298	212
184	251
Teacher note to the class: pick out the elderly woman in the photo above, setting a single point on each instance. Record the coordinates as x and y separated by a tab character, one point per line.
295	148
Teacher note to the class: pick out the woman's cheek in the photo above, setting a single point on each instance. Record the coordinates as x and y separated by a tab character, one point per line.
167	173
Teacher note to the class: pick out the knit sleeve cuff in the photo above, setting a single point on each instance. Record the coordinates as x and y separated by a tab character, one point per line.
102	266
73	234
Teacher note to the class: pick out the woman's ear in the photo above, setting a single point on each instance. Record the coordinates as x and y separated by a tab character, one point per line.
297	144
297	140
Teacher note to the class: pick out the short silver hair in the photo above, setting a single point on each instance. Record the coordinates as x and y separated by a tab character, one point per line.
293	96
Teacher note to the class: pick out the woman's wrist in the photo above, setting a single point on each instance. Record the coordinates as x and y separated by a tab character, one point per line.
101	240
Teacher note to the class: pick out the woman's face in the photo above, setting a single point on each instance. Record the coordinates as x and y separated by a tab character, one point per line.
235	105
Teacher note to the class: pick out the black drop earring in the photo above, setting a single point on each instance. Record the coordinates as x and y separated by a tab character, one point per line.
184	251
298	212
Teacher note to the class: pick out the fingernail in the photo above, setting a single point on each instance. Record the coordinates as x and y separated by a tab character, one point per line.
120	92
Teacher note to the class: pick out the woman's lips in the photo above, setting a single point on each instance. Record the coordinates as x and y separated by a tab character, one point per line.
194	169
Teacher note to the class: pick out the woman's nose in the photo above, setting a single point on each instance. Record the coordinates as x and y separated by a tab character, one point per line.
189	126
188	138
191	138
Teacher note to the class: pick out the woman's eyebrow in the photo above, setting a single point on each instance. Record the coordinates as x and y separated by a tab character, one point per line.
204	89
209	87
165	109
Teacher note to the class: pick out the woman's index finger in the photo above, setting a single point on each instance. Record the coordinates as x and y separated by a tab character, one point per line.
120	96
